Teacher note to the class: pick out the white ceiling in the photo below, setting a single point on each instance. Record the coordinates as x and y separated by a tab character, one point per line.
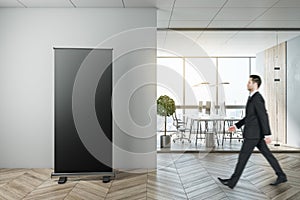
203	14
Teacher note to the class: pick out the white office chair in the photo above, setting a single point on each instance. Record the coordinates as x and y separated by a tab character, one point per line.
181	128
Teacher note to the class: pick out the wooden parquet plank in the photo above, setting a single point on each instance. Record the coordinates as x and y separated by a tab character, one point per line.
275	191
209	188
131	192
89	190
216	195
6	194
287	194
50	189
22	185
7	175
295	196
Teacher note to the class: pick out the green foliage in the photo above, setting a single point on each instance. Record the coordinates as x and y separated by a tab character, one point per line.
165	106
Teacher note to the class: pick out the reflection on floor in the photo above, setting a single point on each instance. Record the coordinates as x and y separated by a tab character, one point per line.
233	146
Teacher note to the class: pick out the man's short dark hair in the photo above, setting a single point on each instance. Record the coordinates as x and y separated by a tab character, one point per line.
256	79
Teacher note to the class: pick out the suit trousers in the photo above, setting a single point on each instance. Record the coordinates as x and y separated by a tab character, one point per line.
245	153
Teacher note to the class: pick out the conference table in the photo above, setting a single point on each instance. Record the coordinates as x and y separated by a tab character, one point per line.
210	126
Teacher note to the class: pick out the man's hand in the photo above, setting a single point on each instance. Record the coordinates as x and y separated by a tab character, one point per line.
268	140
232	129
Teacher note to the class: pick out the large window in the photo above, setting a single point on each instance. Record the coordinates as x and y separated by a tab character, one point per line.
170	82
199	74
188	80
170	78
234	71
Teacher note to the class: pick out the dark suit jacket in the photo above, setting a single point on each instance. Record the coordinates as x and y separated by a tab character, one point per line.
256	120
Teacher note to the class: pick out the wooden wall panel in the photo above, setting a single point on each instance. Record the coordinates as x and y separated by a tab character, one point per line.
275	92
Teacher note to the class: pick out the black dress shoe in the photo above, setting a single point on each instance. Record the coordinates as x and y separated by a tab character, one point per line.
226	182
279	180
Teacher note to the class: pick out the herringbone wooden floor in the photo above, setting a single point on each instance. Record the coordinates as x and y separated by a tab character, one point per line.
178	176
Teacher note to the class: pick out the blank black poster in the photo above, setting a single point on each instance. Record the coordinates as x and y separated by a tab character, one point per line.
83	114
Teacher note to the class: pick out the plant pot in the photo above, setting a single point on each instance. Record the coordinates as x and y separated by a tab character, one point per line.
165	141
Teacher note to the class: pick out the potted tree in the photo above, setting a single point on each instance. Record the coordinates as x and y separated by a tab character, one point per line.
165	108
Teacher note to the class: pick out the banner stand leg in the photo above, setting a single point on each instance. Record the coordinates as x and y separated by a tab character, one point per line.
106	179
62	180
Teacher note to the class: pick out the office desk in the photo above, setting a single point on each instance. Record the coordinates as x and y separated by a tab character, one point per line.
210	126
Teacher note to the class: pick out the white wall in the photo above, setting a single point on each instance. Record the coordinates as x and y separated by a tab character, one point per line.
293	95
259	69
27	37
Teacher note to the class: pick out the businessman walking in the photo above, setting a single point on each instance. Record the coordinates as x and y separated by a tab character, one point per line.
256	128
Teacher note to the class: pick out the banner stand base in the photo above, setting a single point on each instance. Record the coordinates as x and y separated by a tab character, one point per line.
106	176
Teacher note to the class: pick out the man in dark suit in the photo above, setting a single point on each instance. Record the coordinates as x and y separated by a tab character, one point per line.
256	128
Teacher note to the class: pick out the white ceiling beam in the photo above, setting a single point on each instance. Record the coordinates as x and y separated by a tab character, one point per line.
194	13
46	3
250	3
98	3
10	4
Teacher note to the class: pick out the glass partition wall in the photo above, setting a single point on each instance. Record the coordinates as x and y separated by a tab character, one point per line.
199	67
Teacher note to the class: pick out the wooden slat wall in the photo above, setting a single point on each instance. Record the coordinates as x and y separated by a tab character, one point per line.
270	90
